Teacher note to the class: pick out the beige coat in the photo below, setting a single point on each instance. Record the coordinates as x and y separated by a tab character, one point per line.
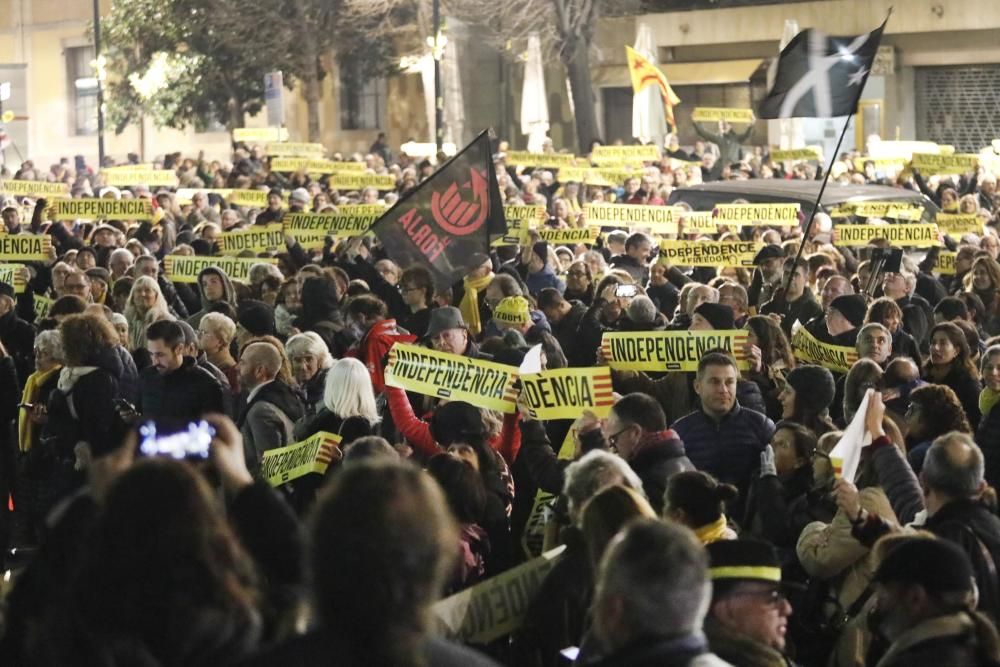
829	551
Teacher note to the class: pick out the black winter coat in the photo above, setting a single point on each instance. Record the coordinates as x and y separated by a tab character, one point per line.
184	394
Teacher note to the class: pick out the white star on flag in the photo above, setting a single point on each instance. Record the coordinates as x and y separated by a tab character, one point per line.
817	79
856	78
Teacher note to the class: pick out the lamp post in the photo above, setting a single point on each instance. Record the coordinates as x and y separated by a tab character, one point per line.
100	84
438	50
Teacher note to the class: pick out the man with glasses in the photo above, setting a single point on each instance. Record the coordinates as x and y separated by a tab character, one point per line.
78	284
635	429
748	617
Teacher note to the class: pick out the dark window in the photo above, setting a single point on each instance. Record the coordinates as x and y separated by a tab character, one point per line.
361	99
81	81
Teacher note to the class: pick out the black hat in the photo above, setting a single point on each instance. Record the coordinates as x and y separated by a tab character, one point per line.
719	315
743	560
457	421
936	564
770	251
6	289
256	317
444	318
814	387
100	273
852	306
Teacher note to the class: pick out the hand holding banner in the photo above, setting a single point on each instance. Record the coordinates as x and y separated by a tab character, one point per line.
566	392
807	348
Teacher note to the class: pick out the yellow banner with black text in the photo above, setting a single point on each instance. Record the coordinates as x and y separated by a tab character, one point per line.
671	350
432	373
314	454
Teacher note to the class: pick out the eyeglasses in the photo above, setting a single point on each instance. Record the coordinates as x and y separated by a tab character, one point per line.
771	598
613	439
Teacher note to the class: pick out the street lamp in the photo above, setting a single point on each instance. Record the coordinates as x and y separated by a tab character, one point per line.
99	66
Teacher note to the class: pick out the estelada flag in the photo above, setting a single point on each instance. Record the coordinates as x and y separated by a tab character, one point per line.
448	222
645	74
820	75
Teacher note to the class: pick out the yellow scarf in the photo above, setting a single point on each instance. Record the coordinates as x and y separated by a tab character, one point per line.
987	399
26	427
712	532
470	302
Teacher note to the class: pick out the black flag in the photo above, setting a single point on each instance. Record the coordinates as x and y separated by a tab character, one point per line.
820	76
447	222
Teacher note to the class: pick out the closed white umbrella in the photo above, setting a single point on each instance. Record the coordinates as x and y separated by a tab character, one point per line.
785	132
534	106
649	121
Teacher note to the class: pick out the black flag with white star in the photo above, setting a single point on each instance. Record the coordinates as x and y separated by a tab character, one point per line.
821	76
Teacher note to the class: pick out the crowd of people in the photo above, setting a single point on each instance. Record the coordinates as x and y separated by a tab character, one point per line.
704	520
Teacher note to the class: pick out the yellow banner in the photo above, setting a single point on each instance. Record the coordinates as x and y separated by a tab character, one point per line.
37	188
890	210
914	236
880	163
708	253
310	165
431	373
807	153
519	220
291	149
709	114
566	392
619	154
609	178
254	198
185	268
757	214
256	238
260	134
495	607
101	209
956	225
946	263
349	181
698	222
314	454
25	247
570	236
808	349
121	177
13	276
551	160
311	229
929	164
41	306
660	219
670	350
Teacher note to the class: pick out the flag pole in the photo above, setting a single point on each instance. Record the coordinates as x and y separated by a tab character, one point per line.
819	198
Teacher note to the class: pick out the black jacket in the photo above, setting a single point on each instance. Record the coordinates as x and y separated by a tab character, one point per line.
661	457
565	331
90	395
18	338
657	652
803	309
184	394
975	528
988	439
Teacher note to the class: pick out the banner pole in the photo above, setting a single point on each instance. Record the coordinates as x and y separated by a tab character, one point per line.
819	198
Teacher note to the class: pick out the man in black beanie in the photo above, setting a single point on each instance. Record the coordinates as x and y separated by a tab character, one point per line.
749	613
712	317
845	315
254	318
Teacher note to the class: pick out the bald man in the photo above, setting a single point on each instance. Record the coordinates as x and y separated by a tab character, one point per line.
272	408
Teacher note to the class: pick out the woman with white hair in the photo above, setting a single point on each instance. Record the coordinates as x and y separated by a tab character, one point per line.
348	407
310	360
215	337
145	305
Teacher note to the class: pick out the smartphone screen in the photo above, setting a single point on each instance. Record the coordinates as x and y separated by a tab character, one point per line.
188	441
625	290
